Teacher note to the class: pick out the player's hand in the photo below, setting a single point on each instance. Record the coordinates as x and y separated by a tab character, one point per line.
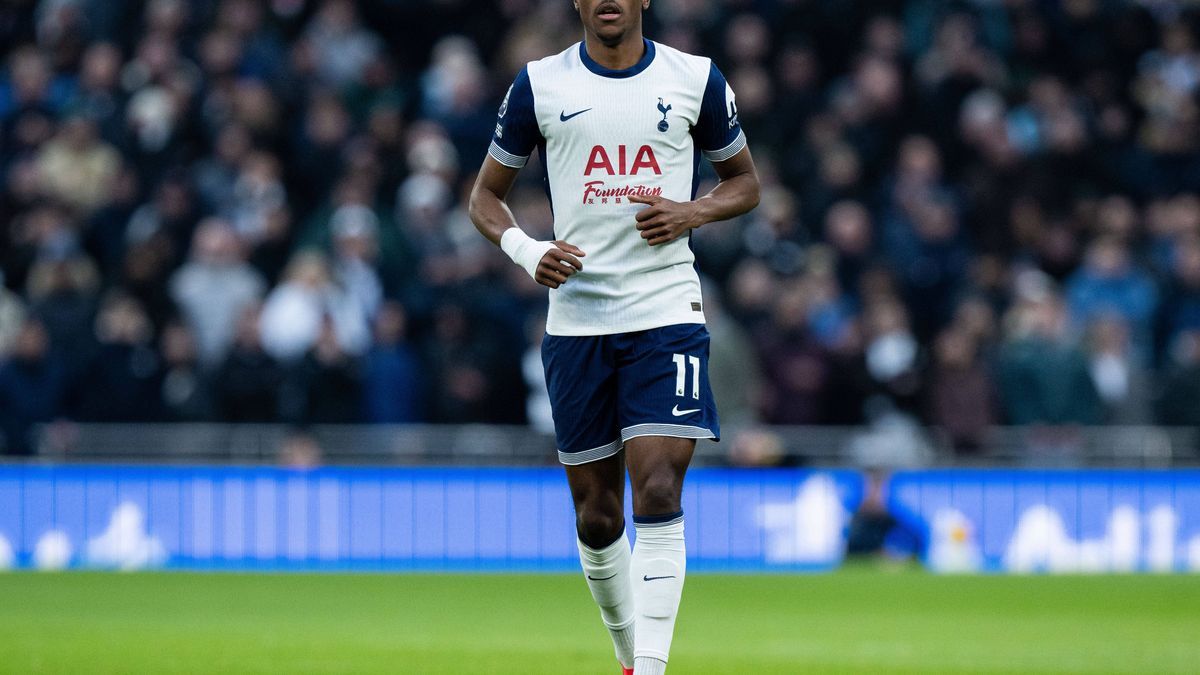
664	220
558	263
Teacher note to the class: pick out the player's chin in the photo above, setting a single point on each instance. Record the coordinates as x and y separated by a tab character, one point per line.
610	33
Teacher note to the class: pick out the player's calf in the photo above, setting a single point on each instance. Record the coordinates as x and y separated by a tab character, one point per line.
659	563
657	465
607	571
597	489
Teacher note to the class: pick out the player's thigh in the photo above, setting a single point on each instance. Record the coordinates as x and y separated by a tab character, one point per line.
657	466
662	383
582	385
598	485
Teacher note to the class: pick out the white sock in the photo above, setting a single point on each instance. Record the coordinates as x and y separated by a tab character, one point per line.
607	573
647	665
659	564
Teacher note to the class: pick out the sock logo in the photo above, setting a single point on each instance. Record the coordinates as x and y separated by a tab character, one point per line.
648	578
602	578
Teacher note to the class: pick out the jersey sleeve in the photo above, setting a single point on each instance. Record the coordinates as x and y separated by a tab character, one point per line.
718	132
517	132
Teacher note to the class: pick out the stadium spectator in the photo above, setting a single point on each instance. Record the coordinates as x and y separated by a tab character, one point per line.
214	288
1179	403
62	295
356	248
453	93
1121	385
12	317
891	360
394	385
98	97
1043	374
1109	282
216	175
32	388
295	312
340	45
352	197
120	384
157	238
797	369
270	254
30	111
962	395
470	382
104	233
327	127
185	392
848	230
325	386
258	193
77	167
246	385
1181	302
300	451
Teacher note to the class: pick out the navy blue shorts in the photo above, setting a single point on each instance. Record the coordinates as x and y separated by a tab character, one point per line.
607	389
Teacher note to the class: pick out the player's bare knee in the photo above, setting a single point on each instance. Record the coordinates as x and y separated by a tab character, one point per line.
598	527
657	495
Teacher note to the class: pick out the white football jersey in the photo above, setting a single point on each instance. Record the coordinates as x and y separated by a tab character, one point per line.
604	135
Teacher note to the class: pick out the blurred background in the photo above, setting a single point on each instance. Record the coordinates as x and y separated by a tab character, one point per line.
235	231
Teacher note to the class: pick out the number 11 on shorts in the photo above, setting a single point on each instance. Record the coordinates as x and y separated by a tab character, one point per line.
681	374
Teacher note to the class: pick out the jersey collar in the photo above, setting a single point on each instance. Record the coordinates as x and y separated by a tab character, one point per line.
636	68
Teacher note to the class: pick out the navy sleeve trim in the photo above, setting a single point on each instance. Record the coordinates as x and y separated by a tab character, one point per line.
517	131
718	132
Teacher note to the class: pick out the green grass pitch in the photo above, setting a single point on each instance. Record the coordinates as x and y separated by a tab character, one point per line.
859	620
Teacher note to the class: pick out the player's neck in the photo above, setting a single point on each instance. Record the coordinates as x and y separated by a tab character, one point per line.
618	56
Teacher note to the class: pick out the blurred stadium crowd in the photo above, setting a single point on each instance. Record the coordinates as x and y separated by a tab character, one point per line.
254	210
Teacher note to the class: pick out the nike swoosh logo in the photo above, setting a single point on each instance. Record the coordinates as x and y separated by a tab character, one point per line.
602	578
646	578
680	413
563	116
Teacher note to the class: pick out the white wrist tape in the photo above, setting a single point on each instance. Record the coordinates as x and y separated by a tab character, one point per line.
523	249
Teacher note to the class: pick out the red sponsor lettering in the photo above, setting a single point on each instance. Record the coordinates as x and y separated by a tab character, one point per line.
599	160
597	189
645	159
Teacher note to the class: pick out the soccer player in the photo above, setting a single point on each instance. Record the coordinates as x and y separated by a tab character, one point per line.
621	123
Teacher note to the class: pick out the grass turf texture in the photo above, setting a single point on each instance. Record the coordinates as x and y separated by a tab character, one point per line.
859	620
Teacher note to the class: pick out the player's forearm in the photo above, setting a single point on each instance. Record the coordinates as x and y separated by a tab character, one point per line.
548	262
731	198
490	214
